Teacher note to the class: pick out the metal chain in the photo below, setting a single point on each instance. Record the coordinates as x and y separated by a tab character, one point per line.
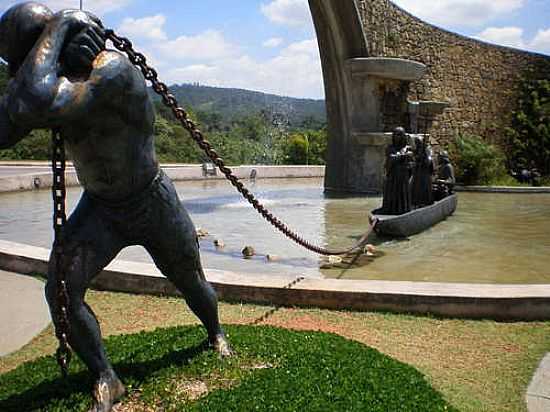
169	100
63	353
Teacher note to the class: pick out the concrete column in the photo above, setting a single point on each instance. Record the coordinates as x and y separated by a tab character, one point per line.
341	37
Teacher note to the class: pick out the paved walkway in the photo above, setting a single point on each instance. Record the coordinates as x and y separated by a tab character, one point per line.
23	310
538	393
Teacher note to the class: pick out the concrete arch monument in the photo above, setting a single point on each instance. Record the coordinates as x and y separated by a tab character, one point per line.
384	68
365	96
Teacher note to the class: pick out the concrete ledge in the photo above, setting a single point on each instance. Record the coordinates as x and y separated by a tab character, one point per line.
503	189
501	302
23	181
387	67
43	180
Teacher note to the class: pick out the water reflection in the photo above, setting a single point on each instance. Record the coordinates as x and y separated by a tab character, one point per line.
502	238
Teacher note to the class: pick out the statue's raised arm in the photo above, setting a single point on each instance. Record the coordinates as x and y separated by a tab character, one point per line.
20	28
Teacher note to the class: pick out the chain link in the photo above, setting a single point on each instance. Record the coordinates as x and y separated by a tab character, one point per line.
63	353
169	100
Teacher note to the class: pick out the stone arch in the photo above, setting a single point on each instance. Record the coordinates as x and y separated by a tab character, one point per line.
340	37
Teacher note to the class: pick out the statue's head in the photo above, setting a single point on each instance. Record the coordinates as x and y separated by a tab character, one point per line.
20	27
444	157
399	137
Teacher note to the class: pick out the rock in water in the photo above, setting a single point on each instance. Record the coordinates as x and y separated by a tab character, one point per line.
328	262
248	252
369	250
219	244
272	258
334	260
202	232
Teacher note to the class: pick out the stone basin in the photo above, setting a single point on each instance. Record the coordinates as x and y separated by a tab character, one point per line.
387	67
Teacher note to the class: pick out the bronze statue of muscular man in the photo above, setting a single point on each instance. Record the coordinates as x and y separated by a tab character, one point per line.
62	77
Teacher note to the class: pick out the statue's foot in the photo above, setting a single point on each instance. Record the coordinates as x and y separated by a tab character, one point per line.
220	344
107	390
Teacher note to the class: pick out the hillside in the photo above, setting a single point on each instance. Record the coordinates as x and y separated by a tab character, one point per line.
233	104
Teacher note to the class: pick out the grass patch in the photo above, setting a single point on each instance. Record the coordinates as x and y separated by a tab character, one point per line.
274	370
479	366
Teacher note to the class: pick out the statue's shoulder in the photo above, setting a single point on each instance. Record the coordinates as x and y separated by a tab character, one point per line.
112	68
111	60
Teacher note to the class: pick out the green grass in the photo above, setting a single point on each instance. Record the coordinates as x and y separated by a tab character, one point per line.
478	366
274	370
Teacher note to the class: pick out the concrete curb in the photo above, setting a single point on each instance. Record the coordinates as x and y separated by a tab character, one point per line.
503	189
181	172
475	301
538	393
43	180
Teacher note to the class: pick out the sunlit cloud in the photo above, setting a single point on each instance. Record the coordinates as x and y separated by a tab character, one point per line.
293	13
460	12
273	42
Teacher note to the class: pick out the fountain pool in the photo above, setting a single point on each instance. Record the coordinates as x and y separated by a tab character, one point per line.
492	238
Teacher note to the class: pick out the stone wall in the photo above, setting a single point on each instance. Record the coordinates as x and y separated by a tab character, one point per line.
479	80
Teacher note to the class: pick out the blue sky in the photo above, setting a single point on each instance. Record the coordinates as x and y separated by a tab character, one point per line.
270	45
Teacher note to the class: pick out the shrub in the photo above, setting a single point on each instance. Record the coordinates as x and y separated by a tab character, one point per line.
476	161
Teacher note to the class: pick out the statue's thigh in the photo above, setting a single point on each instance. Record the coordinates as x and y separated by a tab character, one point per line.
172	241
90	244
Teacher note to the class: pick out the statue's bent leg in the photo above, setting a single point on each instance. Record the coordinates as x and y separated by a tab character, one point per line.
173	245
90	246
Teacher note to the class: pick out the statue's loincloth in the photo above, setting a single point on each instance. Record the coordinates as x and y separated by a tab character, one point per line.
153	218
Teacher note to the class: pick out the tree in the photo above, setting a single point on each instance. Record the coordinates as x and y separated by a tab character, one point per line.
173	144
251	127
307	147
529	136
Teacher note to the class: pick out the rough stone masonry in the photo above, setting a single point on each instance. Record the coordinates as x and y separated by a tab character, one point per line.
480	81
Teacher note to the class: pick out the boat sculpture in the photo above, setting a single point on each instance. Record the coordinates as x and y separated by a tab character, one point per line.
408	205
416	220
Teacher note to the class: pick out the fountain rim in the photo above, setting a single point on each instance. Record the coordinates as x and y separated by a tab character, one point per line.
455	300
21	182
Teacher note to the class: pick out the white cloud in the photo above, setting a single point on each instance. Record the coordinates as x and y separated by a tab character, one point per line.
151	28
293	13
273	42
98	7
541	42
305	47
208	45
296	71
460	12
515	37
505	36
